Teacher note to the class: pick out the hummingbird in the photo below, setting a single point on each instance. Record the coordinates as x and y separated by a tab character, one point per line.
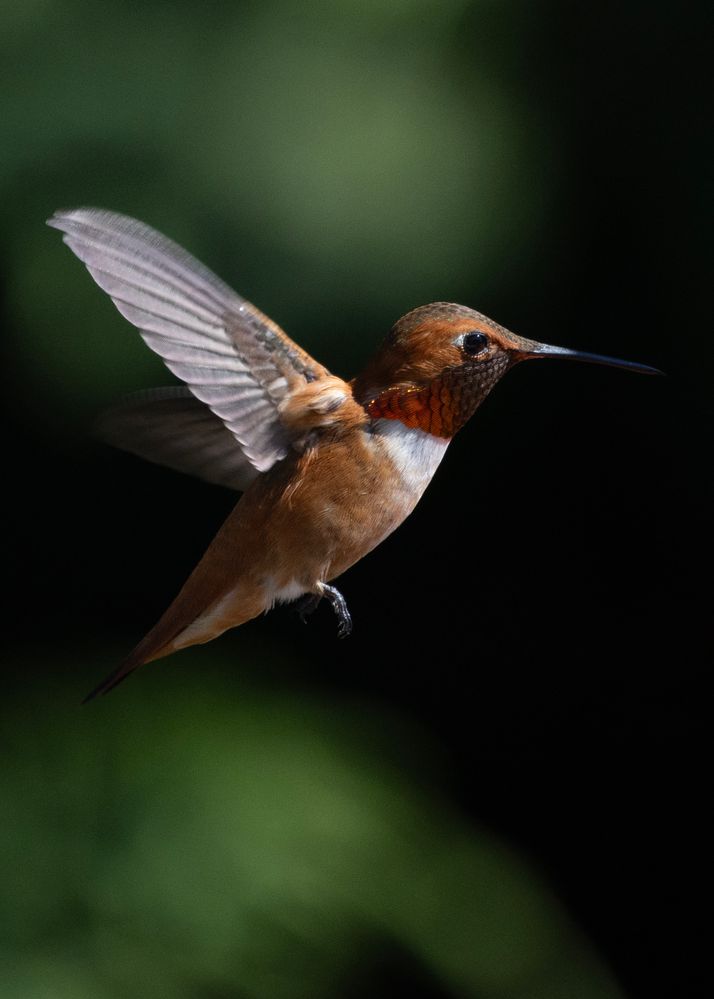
327	468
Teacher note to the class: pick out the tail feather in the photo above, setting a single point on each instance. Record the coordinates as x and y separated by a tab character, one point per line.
215	597
188	621
113	680
190	604
154	645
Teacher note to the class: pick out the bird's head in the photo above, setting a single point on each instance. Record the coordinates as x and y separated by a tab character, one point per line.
440	361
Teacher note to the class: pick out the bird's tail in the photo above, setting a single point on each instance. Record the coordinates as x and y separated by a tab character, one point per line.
187	623
154	645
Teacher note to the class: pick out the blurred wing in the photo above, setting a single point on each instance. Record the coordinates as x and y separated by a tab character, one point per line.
230	355
172	428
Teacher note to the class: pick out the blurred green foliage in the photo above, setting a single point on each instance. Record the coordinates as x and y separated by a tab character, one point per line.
338	163
174	841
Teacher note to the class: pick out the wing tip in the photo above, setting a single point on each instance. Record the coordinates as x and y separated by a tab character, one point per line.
57	219
62	215
63	218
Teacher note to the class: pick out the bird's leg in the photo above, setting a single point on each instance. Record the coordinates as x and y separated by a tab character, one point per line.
339	606
307	604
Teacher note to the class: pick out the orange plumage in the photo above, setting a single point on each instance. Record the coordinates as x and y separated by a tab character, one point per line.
329	468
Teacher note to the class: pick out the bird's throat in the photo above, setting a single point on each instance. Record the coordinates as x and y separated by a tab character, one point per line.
439	407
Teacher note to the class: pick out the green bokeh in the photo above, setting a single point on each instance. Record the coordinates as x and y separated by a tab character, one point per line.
338	163
178	842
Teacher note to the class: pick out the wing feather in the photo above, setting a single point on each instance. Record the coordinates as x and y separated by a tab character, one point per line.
172	428
232	357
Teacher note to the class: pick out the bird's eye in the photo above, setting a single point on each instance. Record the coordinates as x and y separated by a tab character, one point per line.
475	343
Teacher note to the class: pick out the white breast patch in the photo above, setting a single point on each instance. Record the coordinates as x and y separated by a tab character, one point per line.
415	454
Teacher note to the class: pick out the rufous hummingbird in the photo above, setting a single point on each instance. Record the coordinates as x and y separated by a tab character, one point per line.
328	468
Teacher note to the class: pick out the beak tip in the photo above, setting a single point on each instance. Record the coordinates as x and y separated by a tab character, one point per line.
545	350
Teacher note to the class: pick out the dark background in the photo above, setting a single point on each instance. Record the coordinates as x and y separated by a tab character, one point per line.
525	676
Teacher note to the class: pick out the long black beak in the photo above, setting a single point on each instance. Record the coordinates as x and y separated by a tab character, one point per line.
536	350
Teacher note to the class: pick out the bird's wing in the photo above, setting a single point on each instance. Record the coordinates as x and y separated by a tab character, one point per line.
171	427
231	356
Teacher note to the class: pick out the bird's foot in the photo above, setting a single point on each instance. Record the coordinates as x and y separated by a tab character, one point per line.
339	606
307	605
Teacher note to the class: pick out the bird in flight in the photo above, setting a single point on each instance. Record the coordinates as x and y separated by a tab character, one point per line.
328	468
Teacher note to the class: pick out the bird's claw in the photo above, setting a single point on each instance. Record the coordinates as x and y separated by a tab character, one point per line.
308	604
344	628
339	606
